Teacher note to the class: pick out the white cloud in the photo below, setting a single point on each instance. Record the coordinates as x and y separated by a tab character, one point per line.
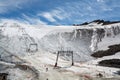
54	14
100	0
103	6
8	5
12	21
60	13
33	20
89	8
20	21
48	16
77	10
25	19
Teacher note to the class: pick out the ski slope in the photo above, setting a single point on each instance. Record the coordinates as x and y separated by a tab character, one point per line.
20	39
83	40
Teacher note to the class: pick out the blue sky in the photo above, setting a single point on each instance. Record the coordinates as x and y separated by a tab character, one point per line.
64	12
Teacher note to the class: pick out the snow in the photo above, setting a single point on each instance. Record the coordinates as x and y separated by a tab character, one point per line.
47	60
108	41
50	38
116	56
94	41
82	40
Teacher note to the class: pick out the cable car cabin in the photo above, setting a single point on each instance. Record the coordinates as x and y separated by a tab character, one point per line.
33	47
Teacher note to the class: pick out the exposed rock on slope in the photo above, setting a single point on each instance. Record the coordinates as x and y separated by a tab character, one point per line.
113	49
110	63
101	22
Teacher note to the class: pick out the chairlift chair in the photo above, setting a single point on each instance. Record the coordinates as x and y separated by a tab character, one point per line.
33	47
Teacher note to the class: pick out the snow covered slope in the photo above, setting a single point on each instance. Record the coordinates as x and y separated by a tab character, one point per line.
22	39
26	51
43	69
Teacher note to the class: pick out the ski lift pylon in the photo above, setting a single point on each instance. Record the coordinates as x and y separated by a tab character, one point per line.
62	51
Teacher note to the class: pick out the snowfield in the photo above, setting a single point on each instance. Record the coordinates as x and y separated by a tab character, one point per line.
41	62
28	52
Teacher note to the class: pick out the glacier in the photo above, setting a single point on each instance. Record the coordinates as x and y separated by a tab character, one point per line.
83	40
37	44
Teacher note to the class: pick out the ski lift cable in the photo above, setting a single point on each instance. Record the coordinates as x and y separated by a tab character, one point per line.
30	39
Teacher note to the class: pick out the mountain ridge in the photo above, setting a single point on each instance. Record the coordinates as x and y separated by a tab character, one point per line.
99	21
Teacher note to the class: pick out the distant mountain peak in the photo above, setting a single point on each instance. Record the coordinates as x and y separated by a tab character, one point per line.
98	21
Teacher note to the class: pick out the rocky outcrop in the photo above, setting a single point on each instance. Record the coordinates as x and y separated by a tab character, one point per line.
110	63
113	49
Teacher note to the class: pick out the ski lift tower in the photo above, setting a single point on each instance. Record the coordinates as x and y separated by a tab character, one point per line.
33	46
68	51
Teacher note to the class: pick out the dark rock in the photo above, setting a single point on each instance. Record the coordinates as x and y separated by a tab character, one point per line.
3	76
113	49
99	21
110	63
